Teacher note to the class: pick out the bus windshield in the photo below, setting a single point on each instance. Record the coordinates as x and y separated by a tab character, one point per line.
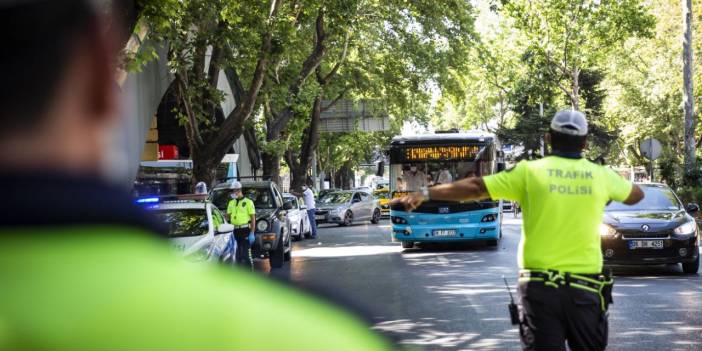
411	172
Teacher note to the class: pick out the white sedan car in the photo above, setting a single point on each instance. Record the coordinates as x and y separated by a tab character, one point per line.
196	229
297	216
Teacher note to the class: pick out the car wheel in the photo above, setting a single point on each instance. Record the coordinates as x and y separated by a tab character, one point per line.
376	216
277	256
407	244
348	219
692	267
493	242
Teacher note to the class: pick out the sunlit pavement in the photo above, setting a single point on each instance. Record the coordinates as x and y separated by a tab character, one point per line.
449	298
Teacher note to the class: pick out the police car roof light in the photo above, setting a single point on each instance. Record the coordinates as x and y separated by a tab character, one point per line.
148	200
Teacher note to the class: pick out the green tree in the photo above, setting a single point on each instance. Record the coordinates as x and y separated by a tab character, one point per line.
204	38
567	37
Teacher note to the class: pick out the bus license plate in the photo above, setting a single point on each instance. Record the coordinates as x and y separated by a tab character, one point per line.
445	232
645	244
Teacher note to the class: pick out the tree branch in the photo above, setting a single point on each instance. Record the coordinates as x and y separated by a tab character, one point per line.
192	120
333	102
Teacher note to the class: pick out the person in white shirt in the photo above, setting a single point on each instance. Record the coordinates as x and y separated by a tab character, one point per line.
414	179
445	176
308	197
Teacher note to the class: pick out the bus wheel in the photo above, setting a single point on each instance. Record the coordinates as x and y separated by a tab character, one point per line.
407	244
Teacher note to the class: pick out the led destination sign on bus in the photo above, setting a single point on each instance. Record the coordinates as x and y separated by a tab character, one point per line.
439	153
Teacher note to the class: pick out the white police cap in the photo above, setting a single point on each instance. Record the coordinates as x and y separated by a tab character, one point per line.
570	122
235	185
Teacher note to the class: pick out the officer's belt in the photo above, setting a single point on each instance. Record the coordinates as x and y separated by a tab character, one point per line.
600	284
240	226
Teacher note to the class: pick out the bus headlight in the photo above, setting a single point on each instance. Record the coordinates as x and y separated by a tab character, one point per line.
262	225
607	230
488	218
398	220
688	228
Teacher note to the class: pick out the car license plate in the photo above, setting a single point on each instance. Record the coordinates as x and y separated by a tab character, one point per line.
445	232
319	217
645	244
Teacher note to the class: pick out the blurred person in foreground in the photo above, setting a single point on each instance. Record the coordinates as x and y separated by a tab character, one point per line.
564	292
80	267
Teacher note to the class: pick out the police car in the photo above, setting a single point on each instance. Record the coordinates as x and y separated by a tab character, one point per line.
196	228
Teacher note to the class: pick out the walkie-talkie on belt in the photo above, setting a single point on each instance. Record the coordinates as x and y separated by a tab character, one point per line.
513	312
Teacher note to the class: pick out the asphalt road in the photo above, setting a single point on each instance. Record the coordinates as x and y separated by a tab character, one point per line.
453	298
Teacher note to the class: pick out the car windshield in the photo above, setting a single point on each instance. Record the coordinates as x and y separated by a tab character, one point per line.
290	200
335	198
261	197
655	199
181	223
382	195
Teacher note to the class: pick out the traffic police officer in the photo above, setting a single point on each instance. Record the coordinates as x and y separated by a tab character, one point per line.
563	292
242	214
81	267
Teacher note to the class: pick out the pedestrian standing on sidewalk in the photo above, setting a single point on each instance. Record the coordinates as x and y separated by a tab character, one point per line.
242	214
308	197
564	293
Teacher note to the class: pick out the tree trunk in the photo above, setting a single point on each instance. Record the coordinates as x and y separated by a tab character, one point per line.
575	94
271	167
688	105
252	148
203	170
310	141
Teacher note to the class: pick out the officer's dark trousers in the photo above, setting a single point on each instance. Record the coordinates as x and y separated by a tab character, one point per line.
551	316
243	248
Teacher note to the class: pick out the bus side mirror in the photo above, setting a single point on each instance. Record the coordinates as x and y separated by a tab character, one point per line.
500	167
381	169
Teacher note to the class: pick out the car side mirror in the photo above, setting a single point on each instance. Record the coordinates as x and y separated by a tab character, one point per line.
303	207
692	208
225	228
500	167
287	206
355	201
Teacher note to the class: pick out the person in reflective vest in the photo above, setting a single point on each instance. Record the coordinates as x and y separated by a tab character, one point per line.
242	214
564	292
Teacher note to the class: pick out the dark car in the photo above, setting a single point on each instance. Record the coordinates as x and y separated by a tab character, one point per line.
657	230
272	227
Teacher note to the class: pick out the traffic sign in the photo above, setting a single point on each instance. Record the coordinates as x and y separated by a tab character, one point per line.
650	148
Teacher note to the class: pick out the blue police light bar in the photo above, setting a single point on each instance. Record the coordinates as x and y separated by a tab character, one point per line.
148	200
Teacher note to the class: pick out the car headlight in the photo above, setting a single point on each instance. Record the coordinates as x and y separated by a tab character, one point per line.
262	225
336	210
607	230
687	228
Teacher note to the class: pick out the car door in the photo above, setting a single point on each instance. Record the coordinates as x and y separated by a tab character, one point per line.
303	215
223	241
371	202
367	201
357	207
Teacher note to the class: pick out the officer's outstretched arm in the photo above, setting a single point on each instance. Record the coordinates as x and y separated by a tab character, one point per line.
466	189
462	190
635	195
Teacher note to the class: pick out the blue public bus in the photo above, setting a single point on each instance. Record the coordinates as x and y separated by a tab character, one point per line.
427	160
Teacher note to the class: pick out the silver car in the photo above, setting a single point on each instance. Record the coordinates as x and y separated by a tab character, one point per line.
346	207
297	216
